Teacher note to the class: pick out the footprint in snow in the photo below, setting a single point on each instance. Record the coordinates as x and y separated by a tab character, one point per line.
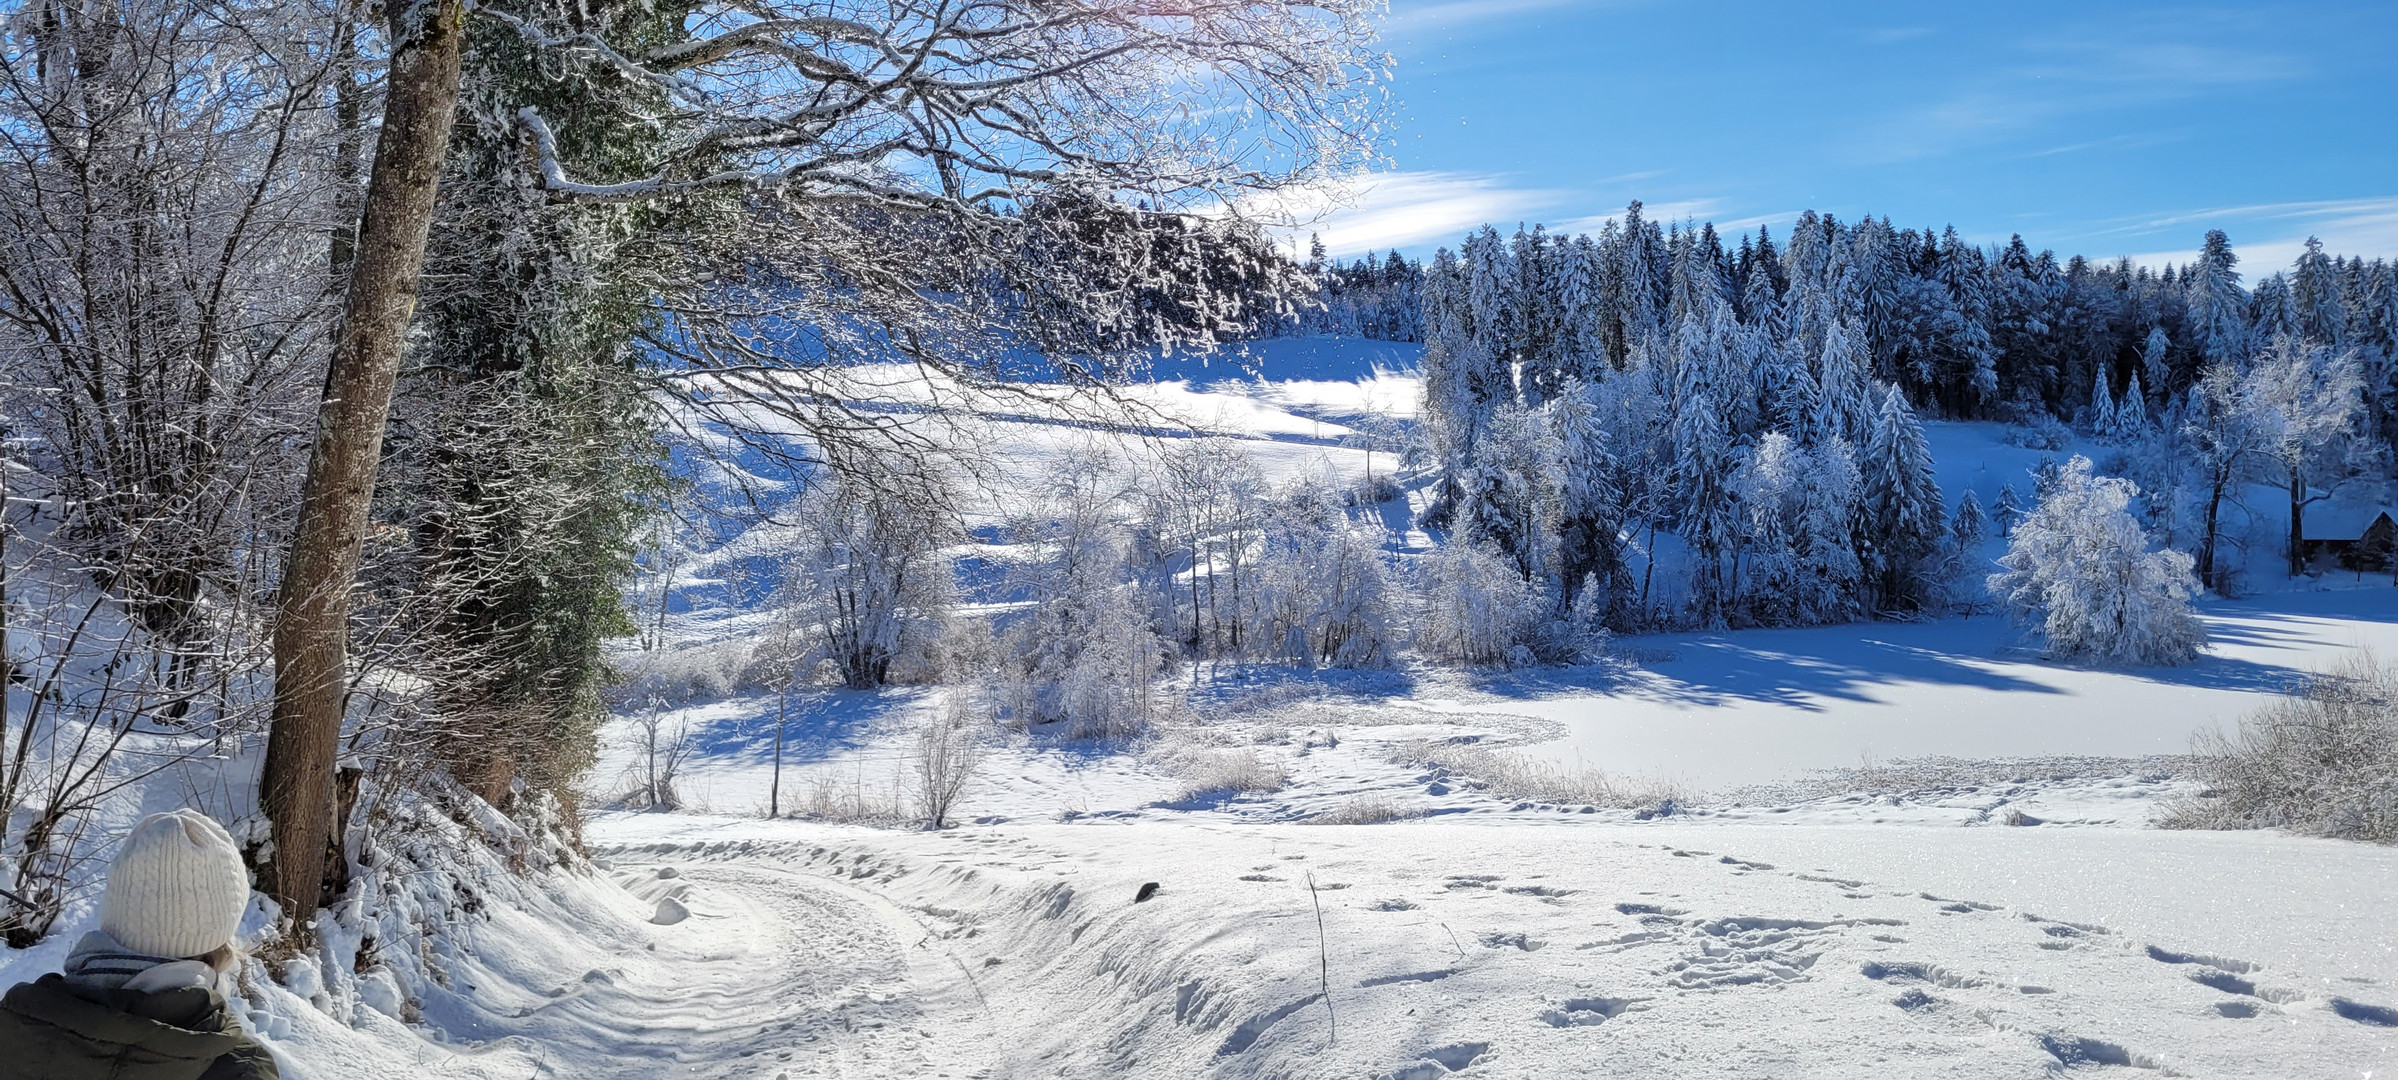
1588	1012
1516	941
2074	1052
1441	1061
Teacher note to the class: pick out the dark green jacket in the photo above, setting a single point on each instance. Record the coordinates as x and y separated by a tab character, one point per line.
50	1032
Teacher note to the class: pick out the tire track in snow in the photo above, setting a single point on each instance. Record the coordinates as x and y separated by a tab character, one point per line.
778	973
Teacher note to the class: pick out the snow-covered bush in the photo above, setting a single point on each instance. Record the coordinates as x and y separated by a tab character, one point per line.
1477	610
948	752
687	671
1324	593
871	584
1381	489
2040	432
2323	760
1087	654
1236	770
2079	572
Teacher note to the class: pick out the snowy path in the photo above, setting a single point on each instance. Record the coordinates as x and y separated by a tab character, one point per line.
781	972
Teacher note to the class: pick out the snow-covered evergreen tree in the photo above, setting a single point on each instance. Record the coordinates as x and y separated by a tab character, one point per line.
1969	355
1770	489
2131	415
2322	313
2272	313
1703	460
1970	527
2155	350
2102	407
1829	573
2080	573
1902	503
1844	405
1590	501
2218	308
2006	511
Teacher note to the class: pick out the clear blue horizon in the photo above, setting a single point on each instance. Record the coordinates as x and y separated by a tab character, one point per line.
2091	130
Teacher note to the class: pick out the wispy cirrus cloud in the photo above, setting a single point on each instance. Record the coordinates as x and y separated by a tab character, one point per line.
2361	227
1451	14
1403	209
2054	80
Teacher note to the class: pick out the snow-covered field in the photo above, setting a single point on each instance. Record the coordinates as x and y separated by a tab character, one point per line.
1892	849
1432	948
1897	849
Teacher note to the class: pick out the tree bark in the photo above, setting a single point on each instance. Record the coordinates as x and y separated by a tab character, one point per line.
2298	501
2220	480
311	630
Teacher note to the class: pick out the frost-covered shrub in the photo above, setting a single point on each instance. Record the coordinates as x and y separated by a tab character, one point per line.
1324	592
1366	810
1507	775
870	584
948	752
2080	573
1087	653
1237	770
2321	761
1479	612
690	671
1381	489
2040	432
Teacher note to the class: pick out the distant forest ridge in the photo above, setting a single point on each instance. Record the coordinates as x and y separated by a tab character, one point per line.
1966	331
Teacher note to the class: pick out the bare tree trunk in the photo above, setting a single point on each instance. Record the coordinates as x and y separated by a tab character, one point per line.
2206	549
311	630
782	719
2298	501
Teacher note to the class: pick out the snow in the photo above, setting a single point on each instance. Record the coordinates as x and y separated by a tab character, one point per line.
1898	849
1727	709
1841	894
1585	949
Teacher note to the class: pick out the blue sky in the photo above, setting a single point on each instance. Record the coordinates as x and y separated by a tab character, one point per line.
2093	128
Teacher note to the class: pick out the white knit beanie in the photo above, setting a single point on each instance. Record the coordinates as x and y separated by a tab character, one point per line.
178	887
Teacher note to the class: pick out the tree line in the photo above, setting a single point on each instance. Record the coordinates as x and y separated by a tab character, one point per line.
1756	406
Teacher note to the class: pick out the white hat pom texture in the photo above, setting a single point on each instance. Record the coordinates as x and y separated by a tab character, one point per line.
178	887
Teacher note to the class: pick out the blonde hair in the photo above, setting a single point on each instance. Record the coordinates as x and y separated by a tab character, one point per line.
222	958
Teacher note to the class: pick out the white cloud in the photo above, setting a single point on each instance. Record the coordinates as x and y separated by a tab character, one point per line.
2362	227
1464	13
1403	209
1692	211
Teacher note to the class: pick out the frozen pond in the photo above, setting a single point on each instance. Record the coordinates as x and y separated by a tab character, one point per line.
1758	705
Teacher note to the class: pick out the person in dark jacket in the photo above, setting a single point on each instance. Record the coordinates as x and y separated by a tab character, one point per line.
142	997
